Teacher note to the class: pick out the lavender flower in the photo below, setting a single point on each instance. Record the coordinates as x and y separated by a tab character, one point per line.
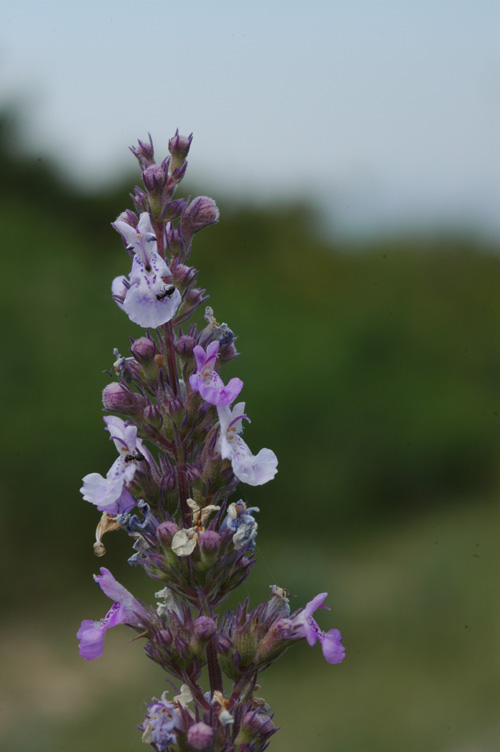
163	722
146	297
110	494
125	610
305	626
254	470
172	466
207	381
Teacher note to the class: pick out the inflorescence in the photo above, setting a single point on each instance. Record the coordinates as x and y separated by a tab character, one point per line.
181	456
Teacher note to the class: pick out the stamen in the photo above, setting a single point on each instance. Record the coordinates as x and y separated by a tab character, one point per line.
235	420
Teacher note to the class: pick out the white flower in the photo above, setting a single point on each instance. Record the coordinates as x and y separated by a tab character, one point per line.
252	469
145	297
110	494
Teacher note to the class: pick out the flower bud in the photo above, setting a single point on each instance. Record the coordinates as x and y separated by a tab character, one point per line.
200	213
144	350
166	531
200	736
152	416
227	353
144	153
173	209
178	147
140	199
154	178
118	399
224	644
196	296
204	628
258	723
173	239
168	481
254	726
177	175
184	346
209	541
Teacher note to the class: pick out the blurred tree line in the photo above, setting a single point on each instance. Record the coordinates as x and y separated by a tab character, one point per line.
373	370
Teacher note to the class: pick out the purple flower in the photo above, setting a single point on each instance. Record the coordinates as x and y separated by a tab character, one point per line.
110	494
207	381
161	724
125	610
145	297
254	470
305	626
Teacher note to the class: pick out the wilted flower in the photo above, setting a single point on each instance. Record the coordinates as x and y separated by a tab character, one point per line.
239	519
163	721
185	540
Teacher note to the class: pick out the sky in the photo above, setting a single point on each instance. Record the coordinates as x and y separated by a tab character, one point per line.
385	113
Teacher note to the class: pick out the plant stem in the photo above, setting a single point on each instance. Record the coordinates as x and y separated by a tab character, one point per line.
214	672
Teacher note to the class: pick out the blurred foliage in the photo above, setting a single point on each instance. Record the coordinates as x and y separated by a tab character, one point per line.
416	605
372	370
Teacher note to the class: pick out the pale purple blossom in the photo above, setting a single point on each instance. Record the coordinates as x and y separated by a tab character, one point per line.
145	297
207	381
161	724
110	494
252	469
125	610
305	626
164	718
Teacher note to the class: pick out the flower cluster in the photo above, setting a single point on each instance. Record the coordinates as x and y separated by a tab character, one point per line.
177	428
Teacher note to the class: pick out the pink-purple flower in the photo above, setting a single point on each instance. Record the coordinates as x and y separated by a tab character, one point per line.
305	626
252	469
125	610
207	381
145	297
110	494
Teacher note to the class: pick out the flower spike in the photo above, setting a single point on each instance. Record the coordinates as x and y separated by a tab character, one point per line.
180	458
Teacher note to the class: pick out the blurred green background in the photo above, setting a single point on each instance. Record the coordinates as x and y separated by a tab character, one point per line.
371	368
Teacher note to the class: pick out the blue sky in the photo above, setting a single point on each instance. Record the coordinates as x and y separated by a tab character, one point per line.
386	112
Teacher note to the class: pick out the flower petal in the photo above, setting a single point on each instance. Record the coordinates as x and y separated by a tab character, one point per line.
331	645
91	636
251	469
